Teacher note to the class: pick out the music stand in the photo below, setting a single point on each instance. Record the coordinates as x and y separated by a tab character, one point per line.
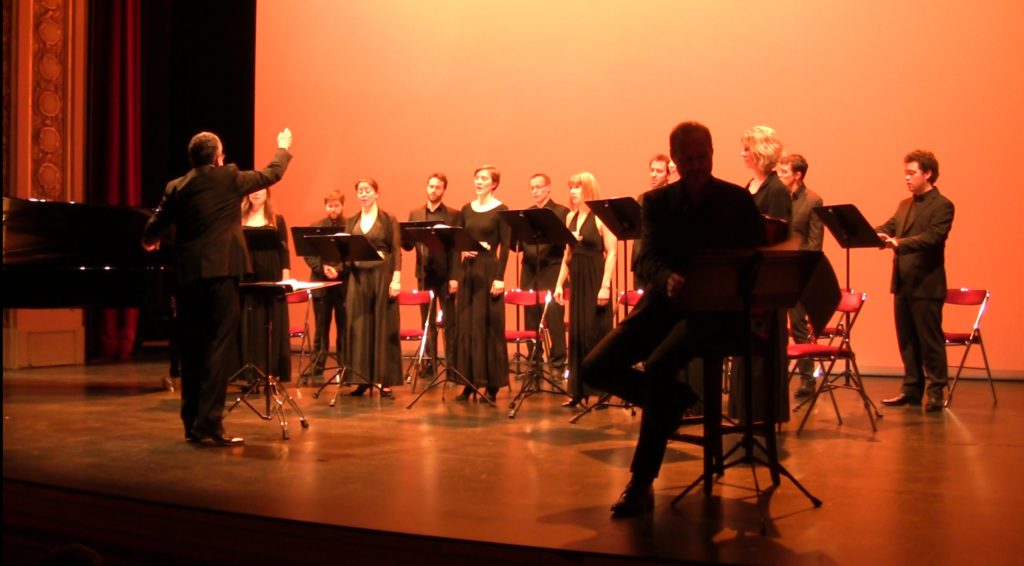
445	239
849	227
262	239
536	226
274	392
304	247
413	234
340	247
851	230
734	282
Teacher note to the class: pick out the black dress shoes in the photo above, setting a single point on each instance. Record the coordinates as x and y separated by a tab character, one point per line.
575	402
636	499
464	396
901	400
386	393
215	438
490	395
934	404
359	390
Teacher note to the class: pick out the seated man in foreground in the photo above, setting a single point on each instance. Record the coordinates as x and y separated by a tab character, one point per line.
696	214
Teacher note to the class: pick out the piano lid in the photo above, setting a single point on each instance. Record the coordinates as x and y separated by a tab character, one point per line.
60	254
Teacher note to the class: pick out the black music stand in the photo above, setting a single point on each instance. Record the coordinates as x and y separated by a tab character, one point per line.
274	393
849	227
257	239
305	247
339	247
624	217
414	233
741	282
445	239
536	226
851	230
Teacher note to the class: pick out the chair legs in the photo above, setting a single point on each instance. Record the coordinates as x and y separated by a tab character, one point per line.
961	367
829	383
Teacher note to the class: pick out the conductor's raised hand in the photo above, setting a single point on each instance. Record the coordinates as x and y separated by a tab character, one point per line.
284	139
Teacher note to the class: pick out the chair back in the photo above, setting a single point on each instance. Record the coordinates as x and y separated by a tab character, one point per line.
415	297
523	297
969	298
298	297
631	298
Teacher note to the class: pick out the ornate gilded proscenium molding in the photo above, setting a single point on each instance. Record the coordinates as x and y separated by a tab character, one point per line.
49	95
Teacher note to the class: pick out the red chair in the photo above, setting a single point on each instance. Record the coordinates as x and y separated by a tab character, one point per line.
969	298
531	337
417	333
828	354
301	331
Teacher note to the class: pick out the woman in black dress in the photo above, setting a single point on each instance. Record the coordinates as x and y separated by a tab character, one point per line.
762	149
373	348
588	265
478	282
268	265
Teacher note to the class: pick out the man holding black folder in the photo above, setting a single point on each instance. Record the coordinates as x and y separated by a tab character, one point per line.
547	258
698	213
328	302
432	269
917	234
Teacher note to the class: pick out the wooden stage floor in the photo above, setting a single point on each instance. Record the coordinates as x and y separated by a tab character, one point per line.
95	454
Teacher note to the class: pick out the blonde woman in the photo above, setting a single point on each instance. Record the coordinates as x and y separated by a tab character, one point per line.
588	266
761	152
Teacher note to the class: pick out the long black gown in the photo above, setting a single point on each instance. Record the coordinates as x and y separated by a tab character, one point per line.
373	349
268	266
588	323
482	354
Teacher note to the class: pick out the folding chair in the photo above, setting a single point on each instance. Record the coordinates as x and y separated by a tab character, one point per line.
301	331
531	337
828	354
417	334
969	297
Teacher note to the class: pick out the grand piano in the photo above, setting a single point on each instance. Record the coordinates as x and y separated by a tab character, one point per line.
62	255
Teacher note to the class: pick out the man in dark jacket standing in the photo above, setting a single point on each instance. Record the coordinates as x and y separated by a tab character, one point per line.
204	208
917	234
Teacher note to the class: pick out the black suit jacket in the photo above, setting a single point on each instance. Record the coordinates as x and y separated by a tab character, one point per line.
921	229
204	206
437	265
676	227
806	224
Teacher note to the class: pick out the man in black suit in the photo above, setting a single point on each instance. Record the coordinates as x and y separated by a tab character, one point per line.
807	231
548	259
661	170
917	235
432	269
328	302
697	213
204	208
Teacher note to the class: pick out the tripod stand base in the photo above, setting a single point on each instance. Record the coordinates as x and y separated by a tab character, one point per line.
530	387
603	402
442	378
275	396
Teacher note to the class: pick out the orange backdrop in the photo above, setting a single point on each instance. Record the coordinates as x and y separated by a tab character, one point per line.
395	89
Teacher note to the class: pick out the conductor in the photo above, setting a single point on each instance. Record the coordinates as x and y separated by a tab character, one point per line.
202	206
